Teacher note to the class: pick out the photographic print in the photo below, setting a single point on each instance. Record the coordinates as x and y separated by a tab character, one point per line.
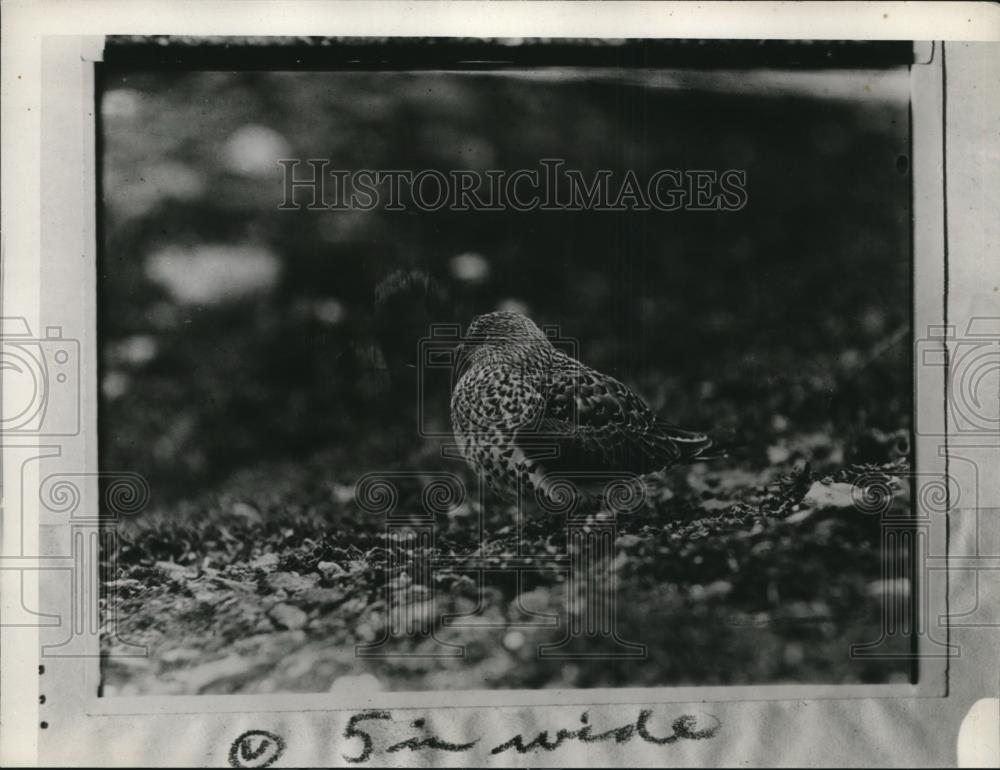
461	376
395	384
476	377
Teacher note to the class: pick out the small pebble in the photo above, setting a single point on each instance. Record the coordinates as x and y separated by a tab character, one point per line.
330	569
287	616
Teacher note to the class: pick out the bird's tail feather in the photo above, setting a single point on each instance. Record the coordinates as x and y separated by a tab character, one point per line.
693	446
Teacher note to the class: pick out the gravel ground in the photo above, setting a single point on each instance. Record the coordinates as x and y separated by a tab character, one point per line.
728	576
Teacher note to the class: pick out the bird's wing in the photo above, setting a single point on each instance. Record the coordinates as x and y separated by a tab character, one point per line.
598	423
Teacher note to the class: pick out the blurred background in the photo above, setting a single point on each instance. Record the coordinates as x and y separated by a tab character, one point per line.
244	345
234	331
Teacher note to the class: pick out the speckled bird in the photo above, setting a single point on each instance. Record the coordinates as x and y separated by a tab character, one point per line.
517	395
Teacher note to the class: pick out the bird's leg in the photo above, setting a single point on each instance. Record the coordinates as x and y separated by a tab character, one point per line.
591	622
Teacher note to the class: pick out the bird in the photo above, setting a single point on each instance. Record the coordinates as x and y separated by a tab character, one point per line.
525	413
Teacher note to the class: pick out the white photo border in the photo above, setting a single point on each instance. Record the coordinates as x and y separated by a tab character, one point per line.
79	724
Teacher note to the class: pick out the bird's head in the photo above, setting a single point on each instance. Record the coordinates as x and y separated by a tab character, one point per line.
503	327
502	335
